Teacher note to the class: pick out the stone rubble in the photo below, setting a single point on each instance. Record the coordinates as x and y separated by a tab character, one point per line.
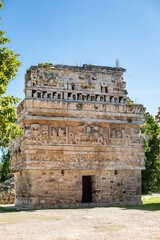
7	193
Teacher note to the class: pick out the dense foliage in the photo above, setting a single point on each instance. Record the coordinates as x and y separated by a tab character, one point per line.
5	166
8	70
151	175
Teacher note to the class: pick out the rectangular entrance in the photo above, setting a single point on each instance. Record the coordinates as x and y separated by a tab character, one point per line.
86	189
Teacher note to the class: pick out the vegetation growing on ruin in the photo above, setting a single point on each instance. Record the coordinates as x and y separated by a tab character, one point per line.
44	64
130	102
28	71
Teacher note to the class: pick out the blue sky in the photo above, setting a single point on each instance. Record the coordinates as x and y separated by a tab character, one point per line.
89	31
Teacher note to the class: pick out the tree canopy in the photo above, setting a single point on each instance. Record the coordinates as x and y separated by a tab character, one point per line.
5	166
151	175
9	65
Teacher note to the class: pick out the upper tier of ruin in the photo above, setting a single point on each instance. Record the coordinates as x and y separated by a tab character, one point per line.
61	89
70	83
86	84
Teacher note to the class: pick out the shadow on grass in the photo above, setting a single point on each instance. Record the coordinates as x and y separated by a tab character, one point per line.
14	209
146	206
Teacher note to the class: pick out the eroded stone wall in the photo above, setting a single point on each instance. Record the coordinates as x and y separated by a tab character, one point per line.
52	188
77	121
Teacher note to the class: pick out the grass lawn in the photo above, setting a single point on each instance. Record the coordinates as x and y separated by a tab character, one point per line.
150	203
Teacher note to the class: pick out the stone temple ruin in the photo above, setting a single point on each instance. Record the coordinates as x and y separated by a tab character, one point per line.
81	141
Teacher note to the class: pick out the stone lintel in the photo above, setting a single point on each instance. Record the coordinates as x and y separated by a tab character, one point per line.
80	168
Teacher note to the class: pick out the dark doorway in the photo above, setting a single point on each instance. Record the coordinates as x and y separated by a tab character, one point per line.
87	189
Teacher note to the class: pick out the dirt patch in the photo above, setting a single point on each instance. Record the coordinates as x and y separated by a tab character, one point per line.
109	228
14	218
75	224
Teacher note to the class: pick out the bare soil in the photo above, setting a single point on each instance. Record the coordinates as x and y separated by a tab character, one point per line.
73	224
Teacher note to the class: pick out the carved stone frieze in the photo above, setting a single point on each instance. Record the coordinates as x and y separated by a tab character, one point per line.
77	125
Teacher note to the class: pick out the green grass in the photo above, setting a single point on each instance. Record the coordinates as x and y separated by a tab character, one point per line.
151	203
151	199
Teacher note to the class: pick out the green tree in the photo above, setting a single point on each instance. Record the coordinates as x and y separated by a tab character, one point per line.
9	64
151	175
5	169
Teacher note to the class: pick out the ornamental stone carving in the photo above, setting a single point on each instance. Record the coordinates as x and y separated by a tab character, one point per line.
81	142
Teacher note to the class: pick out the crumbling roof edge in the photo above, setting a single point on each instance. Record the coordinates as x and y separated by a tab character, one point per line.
81	68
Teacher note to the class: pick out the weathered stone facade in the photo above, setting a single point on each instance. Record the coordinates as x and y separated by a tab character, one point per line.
81	139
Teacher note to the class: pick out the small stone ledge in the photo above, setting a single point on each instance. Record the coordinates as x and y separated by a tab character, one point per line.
14	170
82	205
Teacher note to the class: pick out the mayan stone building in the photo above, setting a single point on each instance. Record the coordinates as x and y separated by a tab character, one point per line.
81	141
